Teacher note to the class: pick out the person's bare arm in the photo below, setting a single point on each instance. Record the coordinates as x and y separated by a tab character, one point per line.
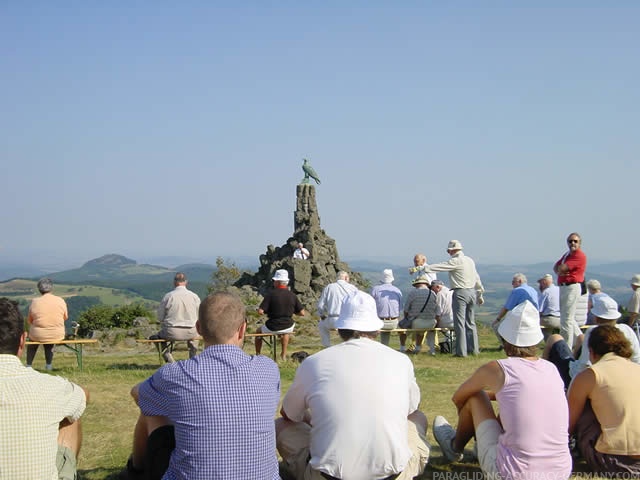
577	396
489	377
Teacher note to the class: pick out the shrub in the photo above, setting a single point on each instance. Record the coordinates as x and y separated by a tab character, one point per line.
105	317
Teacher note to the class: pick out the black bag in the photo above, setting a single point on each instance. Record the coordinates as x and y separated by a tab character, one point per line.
583	289
404	323
445	346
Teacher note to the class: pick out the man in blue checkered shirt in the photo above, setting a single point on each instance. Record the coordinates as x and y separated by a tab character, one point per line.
209	417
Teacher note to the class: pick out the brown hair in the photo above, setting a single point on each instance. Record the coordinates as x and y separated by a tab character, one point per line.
220	316
608	338
521	352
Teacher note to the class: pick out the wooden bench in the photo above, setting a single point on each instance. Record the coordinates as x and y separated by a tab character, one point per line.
270	339
448	333
158	343
74	345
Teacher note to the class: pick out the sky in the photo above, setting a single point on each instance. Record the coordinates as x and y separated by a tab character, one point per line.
179	128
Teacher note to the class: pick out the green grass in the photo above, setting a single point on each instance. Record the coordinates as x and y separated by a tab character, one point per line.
111	414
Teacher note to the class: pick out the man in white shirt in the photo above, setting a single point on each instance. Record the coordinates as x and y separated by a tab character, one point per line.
467	291
549	303
352	409
301	253
177	315
330	303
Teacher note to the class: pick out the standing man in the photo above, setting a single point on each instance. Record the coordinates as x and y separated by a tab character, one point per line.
40	414
352	410
467	290
633	308
548	303
301	252
521	291
279	305
210	416
388	299
570	270
329	305
177	315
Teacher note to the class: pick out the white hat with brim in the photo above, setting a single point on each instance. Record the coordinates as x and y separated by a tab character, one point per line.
281	276
358	312
521	326
387	275
421	279
635	280
605	307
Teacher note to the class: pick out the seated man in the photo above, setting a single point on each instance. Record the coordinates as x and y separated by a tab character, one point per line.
571	363
210	416
177	316
352	410
40	414
279	304
530	438
521	292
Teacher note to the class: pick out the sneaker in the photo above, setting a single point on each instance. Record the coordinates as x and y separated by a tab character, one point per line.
444	434
131	473
48	367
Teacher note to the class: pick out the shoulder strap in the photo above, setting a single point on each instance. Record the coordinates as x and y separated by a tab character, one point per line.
425	303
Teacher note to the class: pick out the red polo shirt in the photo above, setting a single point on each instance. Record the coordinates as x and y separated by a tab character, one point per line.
577	263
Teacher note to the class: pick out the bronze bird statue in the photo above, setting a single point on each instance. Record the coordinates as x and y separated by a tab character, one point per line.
309	172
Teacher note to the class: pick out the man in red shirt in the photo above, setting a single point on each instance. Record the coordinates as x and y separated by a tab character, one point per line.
570	269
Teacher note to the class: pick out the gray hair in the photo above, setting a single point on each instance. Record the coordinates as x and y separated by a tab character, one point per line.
342	275
45	285
521	277
594	285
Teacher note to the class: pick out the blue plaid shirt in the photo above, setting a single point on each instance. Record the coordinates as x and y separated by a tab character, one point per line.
222	404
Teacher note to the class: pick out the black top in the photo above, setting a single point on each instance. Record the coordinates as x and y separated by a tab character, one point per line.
279	305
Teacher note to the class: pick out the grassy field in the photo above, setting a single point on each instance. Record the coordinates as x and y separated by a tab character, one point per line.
109	374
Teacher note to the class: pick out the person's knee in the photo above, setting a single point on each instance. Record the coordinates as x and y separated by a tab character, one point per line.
70	435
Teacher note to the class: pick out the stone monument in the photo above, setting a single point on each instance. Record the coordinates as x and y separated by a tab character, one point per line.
307	277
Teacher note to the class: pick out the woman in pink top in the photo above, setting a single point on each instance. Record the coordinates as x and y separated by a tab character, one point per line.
47	315
530	438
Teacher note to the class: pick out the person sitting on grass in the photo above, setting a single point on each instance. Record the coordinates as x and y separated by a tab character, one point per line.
603	410
530	438
40	414
571	363
210	416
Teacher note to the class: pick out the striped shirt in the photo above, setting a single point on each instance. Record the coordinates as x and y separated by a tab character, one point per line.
32	405
222	404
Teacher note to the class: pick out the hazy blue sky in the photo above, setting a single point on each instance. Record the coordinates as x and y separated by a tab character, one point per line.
179	128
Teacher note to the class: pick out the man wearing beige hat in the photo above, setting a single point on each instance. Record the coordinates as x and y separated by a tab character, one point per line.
529	440
388	299
352	409
467	291
633	308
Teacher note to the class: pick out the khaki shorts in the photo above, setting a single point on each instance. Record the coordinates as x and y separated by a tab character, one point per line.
293	445
66	463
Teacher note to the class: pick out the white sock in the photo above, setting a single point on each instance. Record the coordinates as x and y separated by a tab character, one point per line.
417	349
402	349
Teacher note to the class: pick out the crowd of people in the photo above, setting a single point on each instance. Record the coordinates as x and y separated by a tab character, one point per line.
353	410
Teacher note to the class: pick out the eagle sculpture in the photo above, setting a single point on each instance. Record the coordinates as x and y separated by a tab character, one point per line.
309	172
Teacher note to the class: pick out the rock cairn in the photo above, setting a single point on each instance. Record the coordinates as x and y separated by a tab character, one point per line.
307	277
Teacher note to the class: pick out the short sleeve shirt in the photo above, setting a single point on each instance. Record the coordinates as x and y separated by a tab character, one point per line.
280	304
222	403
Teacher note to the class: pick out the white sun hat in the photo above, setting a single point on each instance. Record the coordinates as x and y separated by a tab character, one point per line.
521	326
359	312
387	275
635	280
281	276
605	307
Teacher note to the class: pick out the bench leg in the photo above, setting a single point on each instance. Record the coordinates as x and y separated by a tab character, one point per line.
78	351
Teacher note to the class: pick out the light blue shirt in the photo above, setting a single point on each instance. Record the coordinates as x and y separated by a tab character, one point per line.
519	295
388	300
549	301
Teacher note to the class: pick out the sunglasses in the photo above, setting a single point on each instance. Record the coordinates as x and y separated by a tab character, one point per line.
573	241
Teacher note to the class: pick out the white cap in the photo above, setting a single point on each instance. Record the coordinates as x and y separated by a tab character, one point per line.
387	275
359	312
281	276
521	325
454	245
605	307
